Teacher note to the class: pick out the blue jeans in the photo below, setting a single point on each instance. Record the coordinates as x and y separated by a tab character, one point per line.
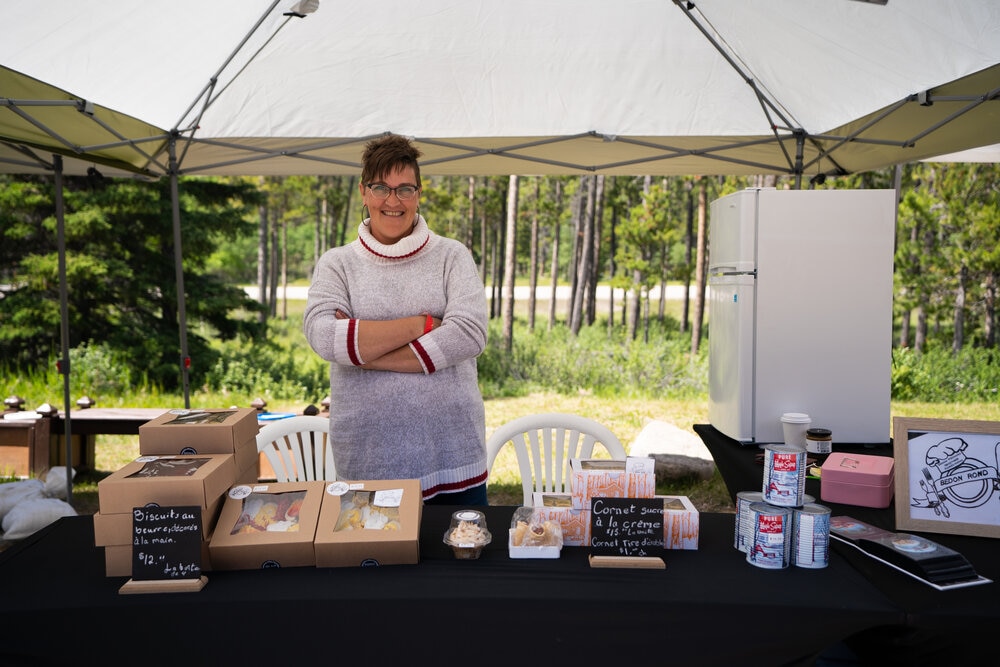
474	496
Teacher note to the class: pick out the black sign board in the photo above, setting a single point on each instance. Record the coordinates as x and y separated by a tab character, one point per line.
166	543
626	526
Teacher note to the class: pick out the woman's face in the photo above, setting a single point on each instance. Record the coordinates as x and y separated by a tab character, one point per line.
392	218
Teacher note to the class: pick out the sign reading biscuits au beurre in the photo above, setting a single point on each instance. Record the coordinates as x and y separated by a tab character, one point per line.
166	543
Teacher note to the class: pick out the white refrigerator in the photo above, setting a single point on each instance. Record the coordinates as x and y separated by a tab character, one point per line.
800	312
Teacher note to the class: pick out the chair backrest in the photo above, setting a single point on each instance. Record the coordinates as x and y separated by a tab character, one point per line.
545	443
298	448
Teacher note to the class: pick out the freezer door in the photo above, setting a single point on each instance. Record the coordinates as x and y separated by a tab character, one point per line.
731	355
732	233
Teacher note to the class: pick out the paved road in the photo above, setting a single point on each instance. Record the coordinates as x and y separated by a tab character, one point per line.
521	293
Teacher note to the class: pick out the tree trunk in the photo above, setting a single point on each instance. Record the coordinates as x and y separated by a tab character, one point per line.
645	320
499	233
990	310
472	225
320	233
262	256
510	252
284	269
958	337
661	306
635	306
612	266
920	338
574	262
342	228
689	244
276	216
904	329
554	272
533	264
585	265
700	268
595	253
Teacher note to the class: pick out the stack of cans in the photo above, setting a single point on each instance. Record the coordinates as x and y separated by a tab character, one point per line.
782	525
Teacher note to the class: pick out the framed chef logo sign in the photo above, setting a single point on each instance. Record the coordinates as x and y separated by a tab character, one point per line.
626	526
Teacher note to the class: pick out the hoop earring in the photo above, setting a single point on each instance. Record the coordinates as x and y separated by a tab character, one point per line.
365	215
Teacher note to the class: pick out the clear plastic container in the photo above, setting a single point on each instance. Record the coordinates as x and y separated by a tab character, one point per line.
531	535
467	534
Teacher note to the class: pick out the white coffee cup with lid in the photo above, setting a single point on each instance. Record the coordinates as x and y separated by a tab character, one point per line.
795	425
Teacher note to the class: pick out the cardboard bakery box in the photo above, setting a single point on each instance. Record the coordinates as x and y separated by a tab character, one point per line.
558	507
857	479
166	480
232	431
366	523
245	455
118	559
111	529
267	525
635	477
681	524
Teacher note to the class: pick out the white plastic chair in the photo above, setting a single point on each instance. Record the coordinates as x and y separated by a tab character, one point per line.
545	443
298	448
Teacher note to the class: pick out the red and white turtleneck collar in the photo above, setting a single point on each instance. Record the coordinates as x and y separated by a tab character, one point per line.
405	247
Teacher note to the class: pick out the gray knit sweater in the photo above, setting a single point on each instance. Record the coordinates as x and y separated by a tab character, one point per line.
387	425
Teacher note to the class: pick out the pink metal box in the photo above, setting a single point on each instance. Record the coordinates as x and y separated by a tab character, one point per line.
857	479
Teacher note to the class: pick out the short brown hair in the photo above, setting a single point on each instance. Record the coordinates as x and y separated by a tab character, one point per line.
387	154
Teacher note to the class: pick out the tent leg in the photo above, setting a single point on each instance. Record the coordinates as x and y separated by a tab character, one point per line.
64	328
179	268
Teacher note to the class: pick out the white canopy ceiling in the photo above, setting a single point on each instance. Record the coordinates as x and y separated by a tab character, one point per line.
518	86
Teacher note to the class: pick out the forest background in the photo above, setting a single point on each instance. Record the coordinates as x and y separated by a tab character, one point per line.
632	236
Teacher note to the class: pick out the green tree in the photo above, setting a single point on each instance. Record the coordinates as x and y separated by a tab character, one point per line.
120	271
642	237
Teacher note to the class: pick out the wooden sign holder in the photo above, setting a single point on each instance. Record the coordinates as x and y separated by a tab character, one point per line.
133	586
630	562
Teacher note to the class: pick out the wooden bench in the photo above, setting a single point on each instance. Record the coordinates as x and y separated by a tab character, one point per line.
28	447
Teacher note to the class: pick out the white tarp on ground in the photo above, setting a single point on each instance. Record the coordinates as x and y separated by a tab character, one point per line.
518	86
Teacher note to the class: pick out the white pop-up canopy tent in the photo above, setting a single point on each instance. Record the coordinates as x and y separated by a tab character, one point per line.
520	86
259	87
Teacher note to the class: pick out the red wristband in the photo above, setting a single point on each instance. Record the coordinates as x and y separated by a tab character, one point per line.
428	324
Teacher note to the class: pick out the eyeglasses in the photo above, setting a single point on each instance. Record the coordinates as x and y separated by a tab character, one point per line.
403	192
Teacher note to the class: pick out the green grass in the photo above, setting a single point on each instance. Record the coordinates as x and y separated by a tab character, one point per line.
590	374
624	416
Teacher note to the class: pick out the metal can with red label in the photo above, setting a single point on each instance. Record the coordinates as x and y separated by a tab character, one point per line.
784	475
771	544
743	534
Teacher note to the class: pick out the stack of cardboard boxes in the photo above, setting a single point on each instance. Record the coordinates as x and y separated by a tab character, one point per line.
209	459
602	478
187	458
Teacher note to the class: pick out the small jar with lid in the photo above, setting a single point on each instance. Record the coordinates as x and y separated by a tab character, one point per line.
819	441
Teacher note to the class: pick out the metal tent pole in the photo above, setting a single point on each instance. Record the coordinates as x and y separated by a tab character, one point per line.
64	368
179	269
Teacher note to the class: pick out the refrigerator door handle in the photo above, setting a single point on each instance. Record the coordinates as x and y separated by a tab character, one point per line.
732	272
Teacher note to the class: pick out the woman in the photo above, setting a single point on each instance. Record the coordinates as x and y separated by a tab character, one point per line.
401	315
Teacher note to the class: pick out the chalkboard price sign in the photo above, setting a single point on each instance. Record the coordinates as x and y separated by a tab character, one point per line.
166	543
626	526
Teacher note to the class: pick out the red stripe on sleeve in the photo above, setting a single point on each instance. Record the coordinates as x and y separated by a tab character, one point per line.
352	342
424	357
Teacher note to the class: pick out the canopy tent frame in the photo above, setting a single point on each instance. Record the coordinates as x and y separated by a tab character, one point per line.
129	146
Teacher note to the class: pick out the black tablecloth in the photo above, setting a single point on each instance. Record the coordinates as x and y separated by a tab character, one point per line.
706	607
953	625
